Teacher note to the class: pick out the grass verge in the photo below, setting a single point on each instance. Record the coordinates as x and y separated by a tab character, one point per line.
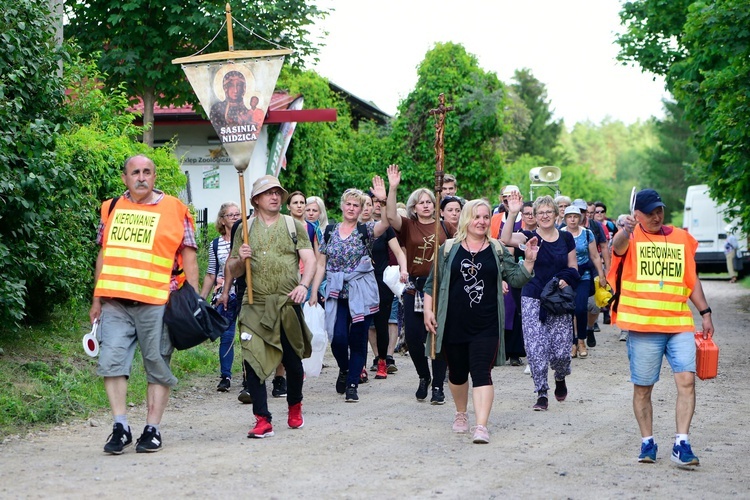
46	378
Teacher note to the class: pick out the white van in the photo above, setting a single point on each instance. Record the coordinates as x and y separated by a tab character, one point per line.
704	219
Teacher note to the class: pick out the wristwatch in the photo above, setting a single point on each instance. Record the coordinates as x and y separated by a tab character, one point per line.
705	311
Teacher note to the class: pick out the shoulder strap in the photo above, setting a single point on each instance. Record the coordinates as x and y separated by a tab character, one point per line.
327	233
290	227
447	246
215	244
112	205
615	300
362	229
498	246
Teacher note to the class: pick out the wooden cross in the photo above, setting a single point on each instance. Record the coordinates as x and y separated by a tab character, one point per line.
439	114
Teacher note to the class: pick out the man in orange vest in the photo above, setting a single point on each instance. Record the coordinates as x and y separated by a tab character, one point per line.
147	250
653	271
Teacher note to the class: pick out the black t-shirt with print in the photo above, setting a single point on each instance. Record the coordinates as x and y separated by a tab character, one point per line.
472	297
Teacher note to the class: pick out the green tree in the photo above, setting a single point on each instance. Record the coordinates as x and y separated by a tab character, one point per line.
138	39
473	131
34	184
702	49
542	136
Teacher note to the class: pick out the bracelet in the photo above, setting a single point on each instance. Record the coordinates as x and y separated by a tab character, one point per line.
307	287
705	311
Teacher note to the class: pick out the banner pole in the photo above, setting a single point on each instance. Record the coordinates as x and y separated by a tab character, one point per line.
243	206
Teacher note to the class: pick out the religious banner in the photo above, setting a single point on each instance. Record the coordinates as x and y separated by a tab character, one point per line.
277	156
236	94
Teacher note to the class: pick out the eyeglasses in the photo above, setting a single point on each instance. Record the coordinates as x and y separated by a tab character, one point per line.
545	213
272	192
232	216
600	212
528	214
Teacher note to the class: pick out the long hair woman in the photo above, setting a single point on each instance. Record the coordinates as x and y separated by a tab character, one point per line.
218	252
470	311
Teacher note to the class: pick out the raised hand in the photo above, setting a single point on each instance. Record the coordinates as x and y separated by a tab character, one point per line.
378	188
394	176
515	202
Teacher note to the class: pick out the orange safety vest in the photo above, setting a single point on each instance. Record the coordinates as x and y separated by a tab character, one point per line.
139	247
658	277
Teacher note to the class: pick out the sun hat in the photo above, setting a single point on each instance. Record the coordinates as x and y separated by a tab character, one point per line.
265	183
580	204
572	210
510	188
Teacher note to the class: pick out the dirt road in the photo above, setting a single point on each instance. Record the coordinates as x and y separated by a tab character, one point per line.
389	445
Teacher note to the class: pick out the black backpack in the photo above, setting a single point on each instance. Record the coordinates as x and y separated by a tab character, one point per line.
361	229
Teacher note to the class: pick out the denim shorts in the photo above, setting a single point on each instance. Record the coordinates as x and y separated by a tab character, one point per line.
122	326
645	352
393	320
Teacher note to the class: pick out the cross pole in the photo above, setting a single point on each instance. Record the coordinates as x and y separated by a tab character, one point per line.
439	114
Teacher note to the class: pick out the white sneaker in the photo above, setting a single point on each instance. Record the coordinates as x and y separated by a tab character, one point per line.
527	371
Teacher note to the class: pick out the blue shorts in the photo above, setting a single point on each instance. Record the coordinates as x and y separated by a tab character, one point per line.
645	352
122	326
393	320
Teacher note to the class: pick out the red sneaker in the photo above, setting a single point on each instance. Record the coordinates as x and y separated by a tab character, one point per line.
295	419
363	379
382	370
263	428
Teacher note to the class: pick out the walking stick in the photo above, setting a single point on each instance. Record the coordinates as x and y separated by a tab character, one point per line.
439	114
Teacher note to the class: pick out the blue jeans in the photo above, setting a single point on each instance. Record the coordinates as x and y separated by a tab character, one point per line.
226	347
646	351
349	344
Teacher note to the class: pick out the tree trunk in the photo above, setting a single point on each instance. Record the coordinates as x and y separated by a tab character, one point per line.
148	117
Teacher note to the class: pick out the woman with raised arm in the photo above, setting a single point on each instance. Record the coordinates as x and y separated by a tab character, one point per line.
471	311
417	236
547	337
352	290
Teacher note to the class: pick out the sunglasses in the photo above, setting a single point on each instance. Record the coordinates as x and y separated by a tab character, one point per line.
600	212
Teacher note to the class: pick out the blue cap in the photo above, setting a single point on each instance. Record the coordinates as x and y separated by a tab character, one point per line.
648	200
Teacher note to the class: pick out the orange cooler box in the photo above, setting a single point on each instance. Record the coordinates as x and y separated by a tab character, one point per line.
706	357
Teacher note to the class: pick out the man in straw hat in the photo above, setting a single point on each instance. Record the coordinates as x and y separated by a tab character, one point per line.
653	271
272	329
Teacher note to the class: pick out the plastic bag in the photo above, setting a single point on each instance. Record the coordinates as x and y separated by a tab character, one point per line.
315	318
392	278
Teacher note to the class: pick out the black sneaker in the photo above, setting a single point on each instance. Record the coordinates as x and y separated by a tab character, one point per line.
607	318
561	390
279	387
390	365
596	327
515	362
244	397
341	382
150	440
118	440
374	366
424	384
351	394
590	338
541	404
224	384
438	397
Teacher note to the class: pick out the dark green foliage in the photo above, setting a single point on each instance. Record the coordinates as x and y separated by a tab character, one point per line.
542	135
473	131
35	186
702	50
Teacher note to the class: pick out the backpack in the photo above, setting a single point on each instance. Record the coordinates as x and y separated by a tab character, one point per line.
361	229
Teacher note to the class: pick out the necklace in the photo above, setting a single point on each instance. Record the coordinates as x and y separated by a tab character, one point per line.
663	261
474	254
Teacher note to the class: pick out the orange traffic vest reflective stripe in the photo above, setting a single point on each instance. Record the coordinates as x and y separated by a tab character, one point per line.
139	246
658	277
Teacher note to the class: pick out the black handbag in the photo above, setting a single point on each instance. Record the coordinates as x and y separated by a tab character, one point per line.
556	300
191	320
